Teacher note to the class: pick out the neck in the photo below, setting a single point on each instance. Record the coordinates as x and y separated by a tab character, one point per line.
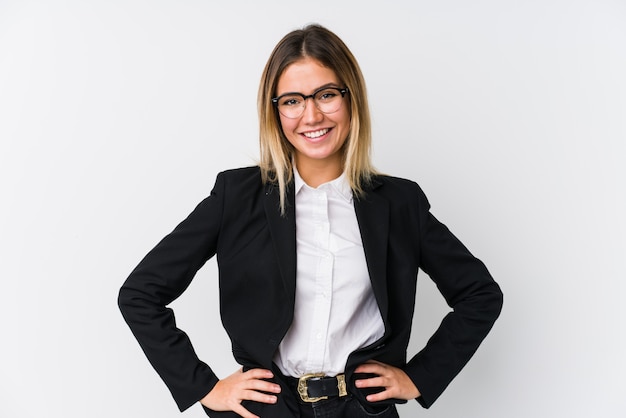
318	172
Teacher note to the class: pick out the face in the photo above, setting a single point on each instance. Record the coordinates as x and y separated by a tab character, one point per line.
317	137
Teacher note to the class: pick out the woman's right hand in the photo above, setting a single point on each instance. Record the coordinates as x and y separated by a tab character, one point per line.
228	393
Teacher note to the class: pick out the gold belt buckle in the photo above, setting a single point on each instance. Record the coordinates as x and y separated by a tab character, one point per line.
304	392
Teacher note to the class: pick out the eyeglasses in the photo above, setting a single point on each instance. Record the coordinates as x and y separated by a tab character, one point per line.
326	99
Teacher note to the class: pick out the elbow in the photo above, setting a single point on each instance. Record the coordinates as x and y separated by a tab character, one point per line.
124	301
496	301
121	299
486	304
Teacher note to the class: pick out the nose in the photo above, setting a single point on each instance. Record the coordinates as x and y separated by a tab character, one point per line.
311	114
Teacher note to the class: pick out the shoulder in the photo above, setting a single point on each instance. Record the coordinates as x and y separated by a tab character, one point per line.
398	190
237	183
391	184
241	172
240	178
394	181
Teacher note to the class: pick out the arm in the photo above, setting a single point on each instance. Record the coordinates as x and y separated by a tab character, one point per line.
468	289
159	279
471	292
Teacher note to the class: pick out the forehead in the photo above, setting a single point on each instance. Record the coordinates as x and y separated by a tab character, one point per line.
305	76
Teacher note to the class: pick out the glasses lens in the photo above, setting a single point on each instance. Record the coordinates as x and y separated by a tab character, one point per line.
291	105
328	100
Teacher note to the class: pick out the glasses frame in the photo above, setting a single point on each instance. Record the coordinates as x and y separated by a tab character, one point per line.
341	91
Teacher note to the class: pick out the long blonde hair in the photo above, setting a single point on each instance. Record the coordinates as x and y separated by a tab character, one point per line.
319	43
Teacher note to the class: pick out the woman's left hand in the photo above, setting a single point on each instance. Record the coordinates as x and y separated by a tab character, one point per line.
396	382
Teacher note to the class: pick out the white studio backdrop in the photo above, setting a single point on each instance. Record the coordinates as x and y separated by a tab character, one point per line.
116	116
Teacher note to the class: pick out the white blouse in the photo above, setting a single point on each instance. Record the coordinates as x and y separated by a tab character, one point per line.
335	309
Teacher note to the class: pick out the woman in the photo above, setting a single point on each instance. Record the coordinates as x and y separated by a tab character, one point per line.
318	258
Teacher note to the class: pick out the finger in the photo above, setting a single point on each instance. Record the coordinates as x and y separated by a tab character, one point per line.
239	409
255	396
259	374
263	386
380	396
377	381
376	368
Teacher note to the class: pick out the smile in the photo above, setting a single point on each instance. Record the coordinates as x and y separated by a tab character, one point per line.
316	134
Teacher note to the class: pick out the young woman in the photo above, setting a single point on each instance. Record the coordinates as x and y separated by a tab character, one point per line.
318	257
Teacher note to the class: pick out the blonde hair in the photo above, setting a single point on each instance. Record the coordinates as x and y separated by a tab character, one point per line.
319	43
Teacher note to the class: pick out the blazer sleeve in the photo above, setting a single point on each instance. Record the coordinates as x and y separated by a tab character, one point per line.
164	273
471	292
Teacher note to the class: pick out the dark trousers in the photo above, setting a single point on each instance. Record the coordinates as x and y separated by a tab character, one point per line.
346	407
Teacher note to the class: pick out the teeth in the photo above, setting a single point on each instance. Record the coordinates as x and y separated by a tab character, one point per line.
316	134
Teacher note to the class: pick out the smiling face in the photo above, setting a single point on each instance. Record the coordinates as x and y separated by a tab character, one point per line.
317	137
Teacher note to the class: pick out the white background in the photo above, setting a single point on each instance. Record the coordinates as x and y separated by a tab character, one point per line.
116	116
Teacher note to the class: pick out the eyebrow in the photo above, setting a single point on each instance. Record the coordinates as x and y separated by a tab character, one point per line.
335	85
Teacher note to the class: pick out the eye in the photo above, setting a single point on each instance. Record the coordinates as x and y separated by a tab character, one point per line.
289	101
326	95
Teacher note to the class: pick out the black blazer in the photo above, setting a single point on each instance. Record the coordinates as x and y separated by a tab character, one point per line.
256	253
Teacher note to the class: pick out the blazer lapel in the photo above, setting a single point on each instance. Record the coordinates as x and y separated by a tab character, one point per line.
283	232
372	212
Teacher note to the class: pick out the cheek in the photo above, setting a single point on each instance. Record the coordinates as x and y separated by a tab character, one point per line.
346	114
287	125
345	121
